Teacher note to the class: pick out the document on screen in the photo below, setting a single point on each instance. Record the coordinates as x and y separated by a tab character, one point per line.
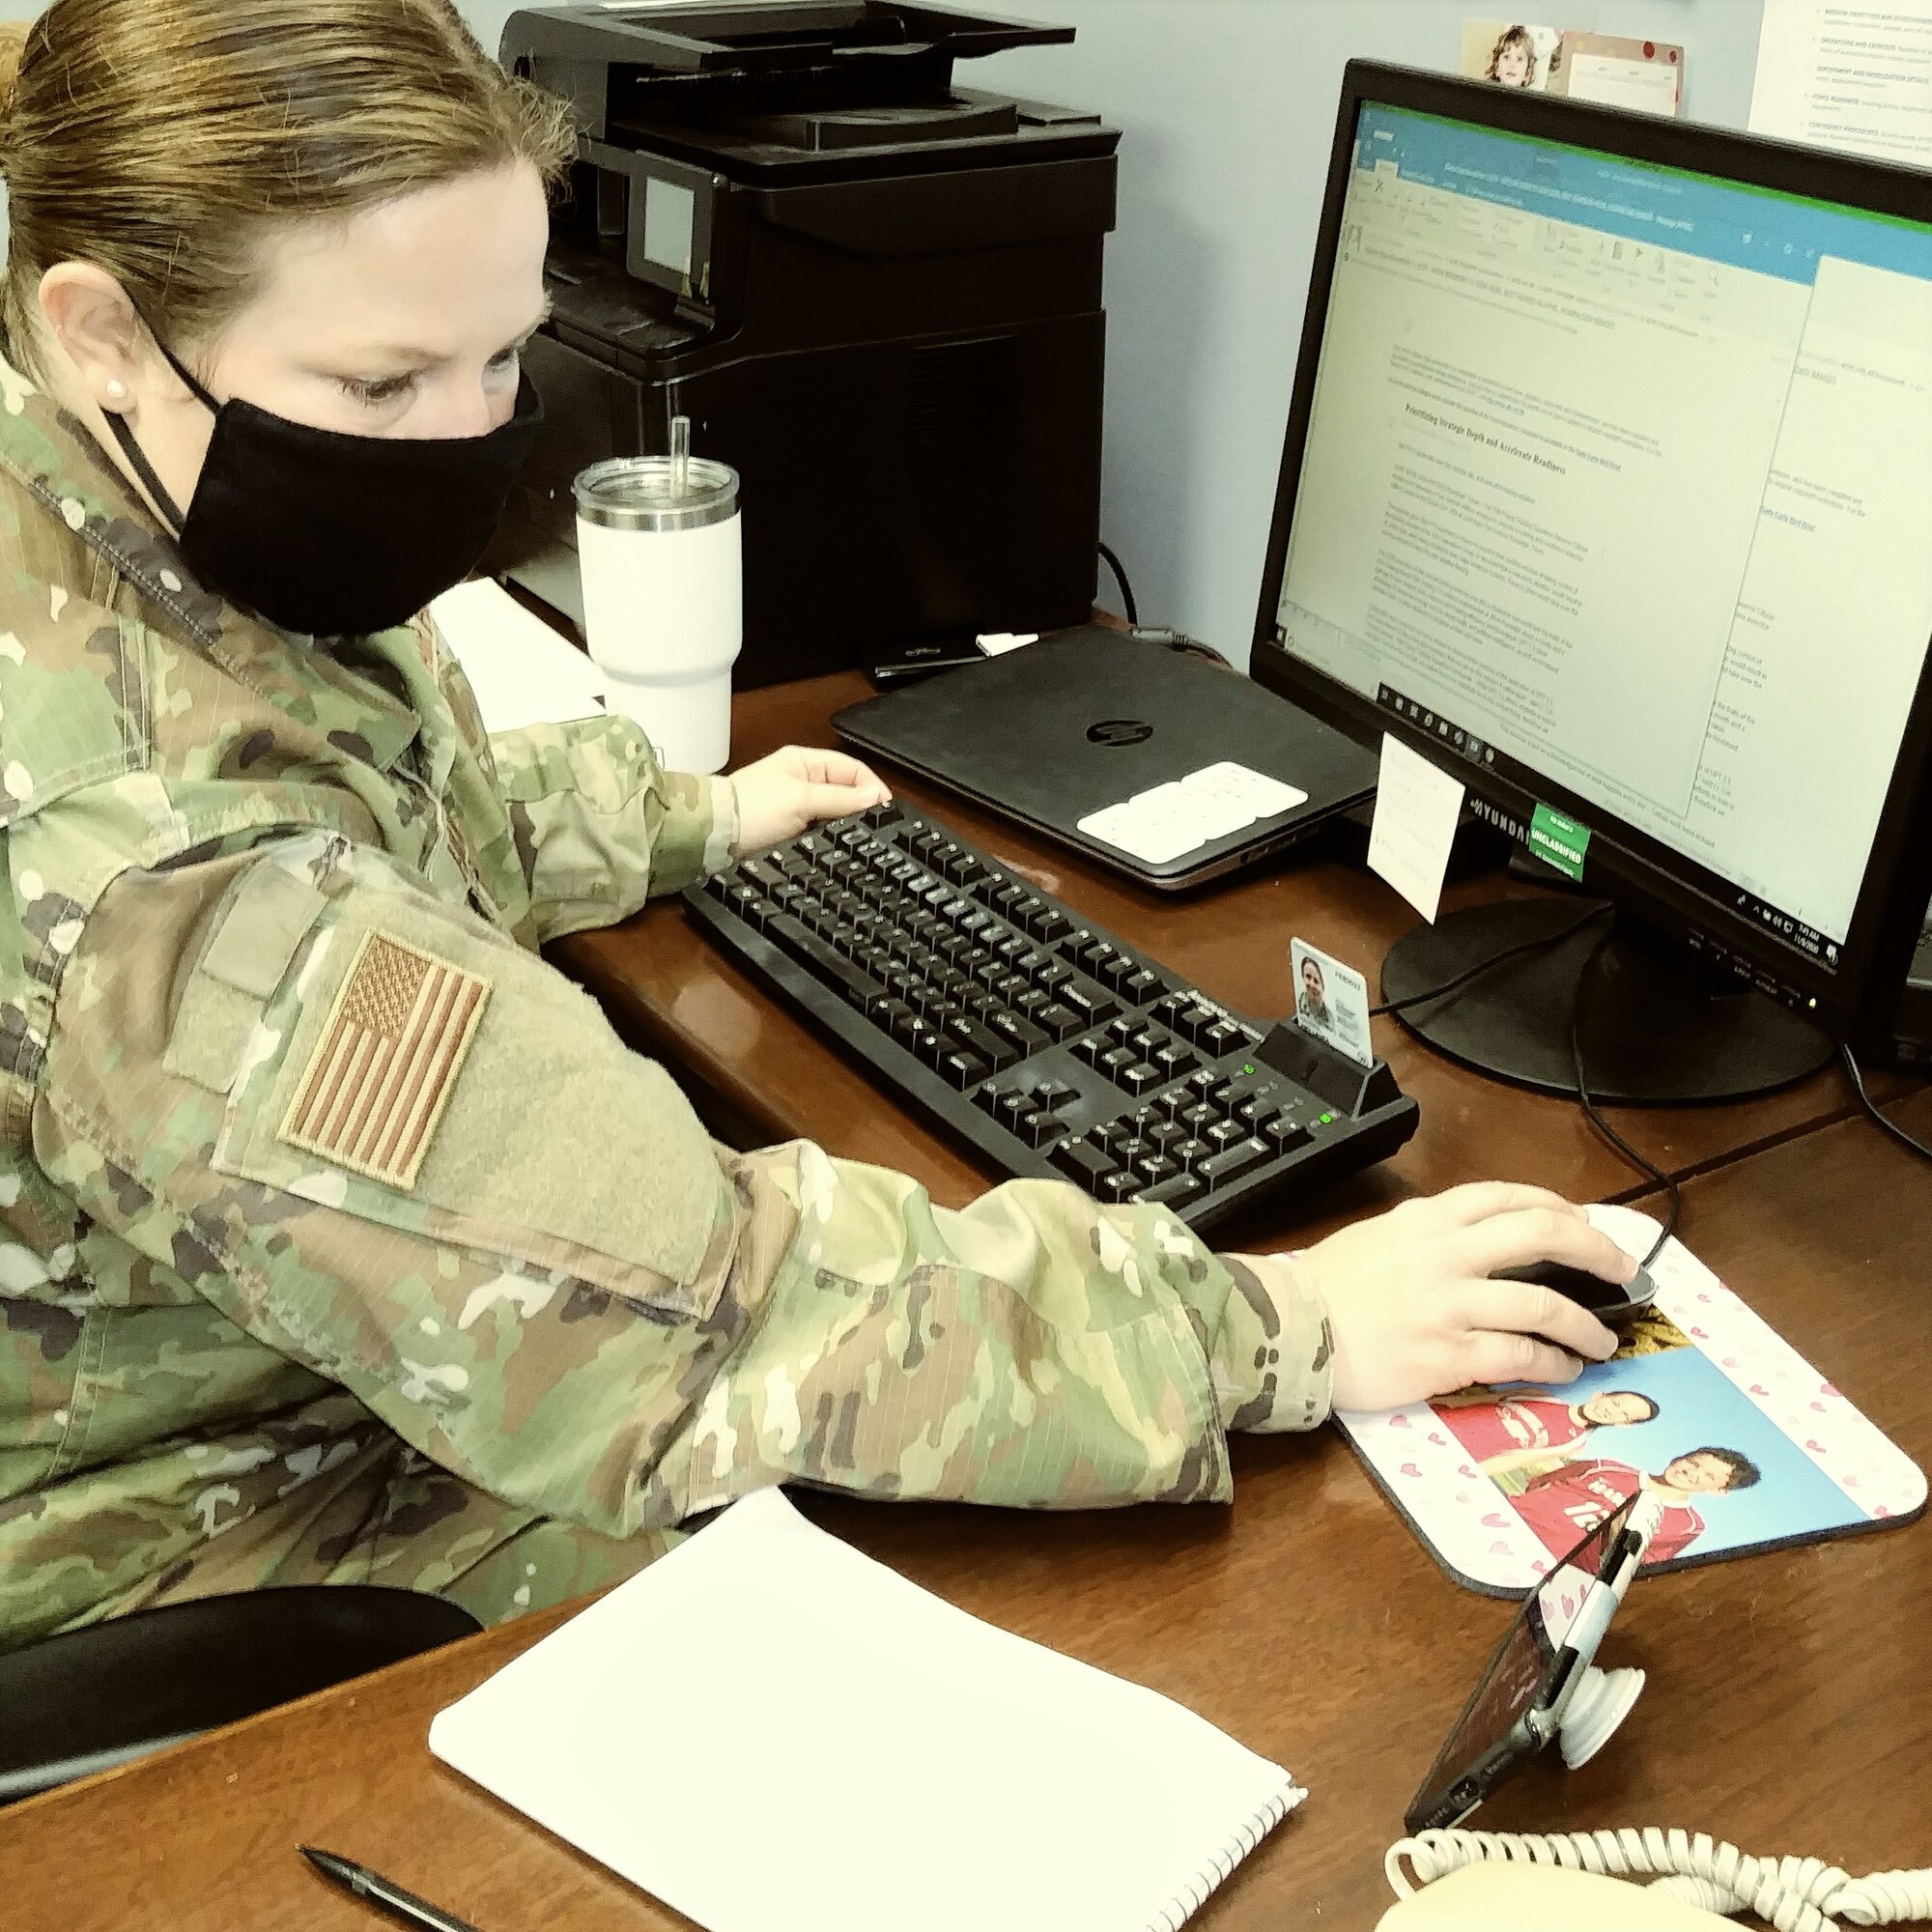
1848	76
1595	451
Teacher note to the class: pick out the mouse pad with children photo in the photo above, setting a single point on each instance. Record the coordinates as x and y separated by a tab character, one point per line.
1746	1446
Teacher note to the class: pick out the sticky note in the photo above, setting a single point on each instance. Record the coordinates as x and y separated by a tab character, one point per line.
1168	820
1416	812
1261	796
1154	838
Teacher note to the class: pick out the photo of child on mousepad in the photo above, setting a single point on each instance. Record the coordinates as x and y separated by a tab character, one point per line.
1746	1444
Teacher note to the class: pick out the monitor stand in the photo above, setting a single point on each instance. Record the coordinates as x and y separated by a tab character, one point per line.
1654	1025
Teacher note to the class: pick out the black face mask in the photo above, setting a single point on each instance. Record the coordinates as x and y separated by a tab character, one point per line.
338	535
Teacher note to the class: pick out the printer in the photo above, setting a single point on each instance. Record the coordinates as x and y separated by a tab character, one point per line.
874	294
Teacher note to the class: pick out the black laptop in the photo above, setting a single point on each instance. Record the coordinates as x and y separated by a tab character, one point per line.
1152	761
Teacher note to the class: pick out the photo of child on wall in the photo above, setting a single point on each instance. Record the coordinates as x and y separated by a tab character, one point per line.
1512	53
1512	59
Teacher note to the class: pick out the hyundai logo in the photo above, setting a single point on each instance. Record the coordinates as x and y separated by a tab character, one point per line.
1119	731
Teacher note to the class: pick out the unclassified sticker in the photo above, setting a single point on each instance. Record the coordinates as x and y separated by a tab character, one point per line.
1559	841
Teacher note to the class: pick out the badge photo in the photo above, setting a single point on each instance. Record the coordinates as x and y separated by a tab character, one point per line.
1332	1001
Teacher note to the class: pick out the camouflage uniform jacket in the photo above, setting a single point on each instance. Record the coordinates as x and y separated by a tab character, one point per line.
306	1154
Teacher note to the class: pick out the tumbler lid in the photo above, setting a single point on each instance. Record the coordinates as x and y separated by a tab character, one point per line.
639	493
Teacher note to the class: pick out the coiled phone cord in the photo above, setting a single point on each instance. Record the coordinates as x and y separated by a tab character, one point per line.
1792	1894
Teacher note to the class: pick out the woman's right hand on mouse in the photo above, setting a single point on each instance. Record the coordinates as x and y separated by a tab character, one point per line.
1413	1314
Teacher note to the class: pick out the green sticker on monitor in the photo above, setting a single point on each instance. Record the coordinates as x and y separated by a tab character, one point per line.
1559	841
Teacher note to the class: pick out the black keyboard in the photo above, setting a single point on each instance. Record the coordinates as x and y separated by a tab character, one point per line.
1049	1047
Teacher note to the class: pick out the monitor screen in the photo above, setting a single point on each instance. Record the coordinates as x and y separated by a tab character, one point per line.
1613	478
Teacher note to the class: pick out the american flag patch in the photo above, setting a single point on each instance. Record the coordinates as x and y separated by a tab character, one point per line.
383	1072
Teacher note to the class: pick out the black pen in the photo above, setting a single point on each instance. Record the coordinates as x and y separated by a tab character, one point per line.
379	1890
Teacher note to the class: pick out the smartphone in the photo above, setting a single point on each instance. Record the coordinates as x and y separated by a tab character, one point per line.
918	660
1518	1703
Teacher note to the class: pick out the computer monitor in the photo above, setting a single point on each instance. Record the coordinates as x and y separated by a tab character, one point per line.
1608	484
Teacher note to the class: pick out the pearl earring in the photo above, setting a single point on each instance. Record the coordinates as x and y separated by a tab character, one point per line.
116	391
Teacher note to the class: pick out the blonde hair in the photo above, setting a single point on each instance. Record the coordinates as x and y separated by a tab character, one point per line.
164	140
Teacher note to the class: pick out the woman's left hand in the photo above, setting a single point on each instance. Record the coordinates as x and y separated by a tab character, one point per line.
781	796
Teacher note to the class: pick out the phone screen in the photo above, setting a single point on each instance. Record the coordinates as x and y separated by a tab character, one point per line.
1519	1679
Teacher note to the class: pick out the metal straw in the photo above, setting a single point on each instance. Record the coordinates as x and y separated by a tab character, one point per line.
680	455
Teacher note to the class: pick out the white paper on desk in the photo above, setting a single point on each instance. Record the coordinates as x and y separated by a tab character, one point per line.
1849	76
1416	812
767	1728
522	671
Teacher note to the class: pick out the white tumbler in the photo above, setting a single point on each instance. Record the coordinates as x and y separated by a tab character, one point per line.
658	543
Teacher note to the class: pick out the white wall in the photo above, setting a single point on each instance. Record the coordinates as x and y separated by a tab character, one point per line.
1228	108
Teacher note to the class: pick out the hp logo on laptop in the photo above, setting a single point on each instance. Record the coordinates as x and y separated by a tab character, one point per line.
1119	731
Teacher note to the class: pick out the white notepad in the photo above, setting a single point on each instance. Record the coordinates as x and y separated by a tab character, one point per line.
767	1729
522	671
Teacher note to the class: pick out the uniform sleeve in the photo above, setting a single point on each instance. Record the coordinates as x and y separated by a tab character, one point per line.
599	827
402	1150
1273	1358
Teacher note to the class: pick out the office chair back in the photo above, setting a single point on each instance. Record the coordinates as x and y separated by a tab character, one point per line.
90	1698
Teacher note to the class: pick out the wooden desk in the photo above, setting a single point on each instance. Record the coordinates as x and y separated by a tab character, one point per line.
765	1077
1790	1702
1789	1705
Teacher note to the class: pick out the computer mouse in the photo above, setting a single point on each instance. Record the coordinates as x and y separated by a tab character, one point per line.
1542	1899
1605	1299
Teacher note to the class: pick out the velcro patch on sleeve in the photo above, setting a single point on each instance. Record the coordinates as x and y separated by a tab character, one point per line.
388	1060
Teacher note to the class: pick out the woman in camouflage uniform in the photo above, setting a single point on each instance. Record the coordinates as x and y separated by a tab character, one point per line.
343	1240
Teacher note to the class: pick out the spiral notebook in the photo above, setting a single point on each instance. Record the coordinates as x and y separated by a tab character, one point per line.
766	1728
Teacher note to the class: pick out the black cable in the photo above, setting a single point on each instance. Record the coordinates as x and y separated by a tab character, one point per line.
1590	1108
1515	951
1870	1106
1126	590
1604	1128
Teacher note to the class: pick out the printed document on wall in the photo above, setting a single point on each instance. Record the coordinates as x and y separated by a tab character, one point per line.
1850	76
